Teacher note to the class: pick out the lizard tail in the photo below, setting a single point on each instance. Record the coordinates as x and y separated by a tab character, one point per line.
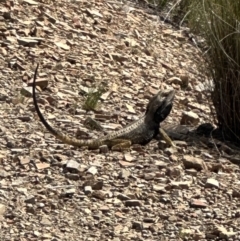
63	137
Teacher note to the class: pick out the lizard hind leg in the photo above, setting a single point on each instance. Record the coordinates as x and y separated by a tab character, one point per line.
119	144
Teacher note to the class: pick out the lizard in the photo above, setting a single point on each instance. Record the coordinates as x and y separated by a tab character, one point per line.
141	131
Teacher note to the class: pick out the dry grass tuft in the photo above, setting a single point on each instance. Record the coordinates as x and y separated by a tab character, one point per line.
218	22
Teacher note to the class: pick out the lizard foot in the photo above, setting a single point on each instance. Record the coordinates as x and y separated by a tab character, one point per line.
119	144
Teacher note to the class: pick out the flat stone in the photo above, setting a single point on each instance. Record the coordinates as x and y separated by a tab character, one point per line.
88	190
42	165
2	209
159	188
124	174
133	203
198	203
189	118
29	41
123	197
72	165
92	170
182	185
137	225
30	199
212	183
194	162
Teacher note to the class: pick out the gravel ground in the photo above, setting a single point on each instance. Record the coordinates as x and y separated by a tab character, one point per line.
51	191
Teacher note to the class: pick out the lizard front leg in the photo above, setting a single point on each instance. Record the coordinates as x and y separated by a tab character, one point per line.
166	138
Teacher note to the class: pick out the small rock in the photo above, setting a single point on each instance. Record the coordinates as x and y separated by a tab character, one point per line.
88	190
215	167
133	203
42	83
182	185
159	188
128	157
172	218
36	233
17	151
24	160
50	18
184	233
236	193
2	209
10	144
62	45
94	13
87	211
223	233
98	185
72	176
42	165
24	118
189	118
46	222
98	217
22	190
30	199
82	168
173	158
185	81
40	205
126	164
161	164
212	183
3	97
27	91
170	150
99	194
191	171
69	192
124	174
4	174
194	162
184	101
162	145
237	214
149	176
92	170
198	203
104	149
123	197
137	225
29	41
149	220
174	80
31	2
174	171
72	165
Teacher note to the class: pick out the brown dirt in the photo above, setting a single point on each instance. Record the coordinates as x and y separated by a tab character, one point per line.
51	191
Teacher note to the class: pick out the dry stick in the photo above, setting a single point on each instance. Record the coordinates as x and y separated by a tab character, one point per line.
172	9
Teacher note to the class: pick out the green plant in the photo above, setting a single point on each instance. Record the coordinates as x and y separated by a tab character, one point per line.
93	97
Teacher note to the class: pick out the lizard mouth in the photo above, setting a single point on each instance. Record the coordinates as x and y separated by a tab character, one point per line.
169	94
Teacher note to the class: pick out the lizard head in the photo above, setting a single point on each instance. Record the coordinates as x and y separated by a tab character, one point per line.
160	106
